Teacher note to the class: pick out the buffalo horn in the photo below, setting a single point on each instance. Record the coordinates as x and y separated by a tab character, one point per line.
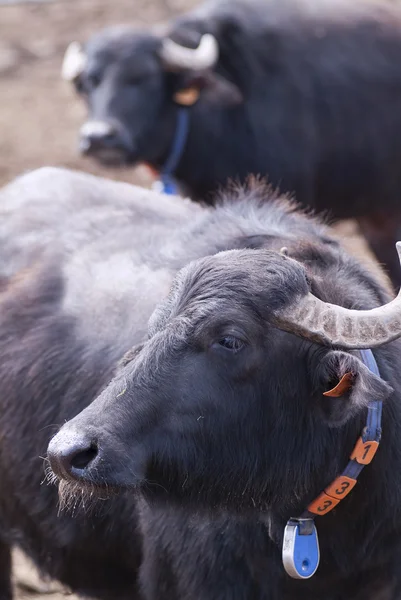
330	324
74	62
177	57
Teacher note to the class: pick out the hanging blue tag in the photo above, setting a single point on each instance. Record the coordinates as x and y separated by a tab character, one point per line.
165	187
300	548
170	188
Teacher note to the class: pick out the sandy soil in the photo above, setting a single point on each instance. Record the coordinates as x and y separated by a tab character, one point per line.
29	586
40	116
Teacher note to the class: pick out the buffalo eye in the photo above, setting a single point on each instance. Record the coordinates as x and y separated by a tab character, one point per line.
79	85
232	343
93	80
135	80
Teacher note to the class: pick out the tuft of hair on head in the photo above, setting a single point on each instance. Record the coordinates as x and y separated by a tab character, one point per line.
258	189
129	356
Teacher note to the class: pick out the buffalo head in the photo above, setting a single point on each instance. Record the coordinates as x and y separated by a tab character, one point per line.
133	82
224	404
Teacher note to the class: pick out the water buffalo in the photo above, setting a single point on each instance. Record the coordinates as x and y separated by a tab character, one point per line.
307	92
243	404
81	269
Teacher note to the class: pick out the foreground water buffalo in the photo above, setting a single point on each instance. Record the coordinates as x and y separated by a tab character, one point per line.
81	269
243	404
306	92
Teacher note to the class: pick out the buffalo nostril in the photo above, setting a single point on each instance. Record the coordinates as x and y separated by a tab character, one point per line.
98	144
105	138
83	458
109	136
70	456
96	135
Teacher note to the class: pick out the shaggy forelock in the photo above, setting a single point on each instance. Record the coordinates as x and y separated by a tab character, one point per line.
237	277
121	42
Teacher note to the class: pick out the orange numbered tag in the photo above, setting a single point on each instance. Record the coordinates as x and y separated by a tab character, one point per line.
364	451
322	504
340	487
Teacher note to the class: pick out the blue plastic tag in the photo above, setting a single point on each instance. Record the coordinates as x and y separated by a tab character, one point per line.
300	548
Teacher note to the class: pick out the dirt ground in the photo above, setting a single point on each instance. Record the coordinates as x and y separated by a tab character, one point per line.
40	116
29	586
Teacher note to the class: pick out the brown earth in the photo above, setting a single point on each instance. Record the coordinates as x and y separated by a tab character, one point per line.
40	116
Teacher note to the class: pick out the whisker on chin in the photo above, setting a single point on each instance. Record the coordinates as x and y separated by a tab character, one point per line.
74	497
49	478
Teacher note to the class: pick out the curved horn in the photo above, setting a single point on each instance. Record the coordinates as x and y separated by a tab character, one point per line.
180	57
330	324
74	62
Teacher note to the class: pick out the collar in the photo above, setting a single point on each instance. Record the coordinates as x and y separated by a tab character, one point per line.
300	551
165	182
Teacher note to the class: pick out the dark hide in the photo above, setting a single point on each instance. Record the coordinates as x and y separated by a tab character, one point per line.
220	422
320	83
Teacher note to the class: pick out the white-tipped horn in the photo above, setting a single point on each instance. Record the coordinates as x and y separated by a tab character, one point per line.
326	323
177	57
74	62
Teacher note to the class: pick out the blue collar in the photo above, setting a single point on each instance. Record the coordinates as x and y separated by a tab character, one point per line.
166	182
300	551
372	431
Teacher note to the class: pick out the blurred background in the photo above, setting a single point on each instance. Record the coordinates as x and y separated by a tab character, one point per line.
39	113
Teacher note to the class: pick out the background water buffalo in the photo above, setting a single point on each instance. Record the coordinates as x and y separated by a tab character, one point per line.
308	93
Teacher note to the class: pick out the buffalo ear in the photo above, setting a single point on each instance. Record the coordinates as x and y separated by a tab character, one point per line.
213	87
74	63
79	86
344	386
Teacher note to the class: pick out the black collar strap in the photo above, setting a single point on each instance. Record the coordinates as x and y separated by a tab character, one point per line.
300	545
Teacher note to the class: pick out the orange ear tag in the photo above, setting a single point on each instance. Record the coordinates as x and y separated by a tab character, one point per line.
152	171
342	386
187	97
